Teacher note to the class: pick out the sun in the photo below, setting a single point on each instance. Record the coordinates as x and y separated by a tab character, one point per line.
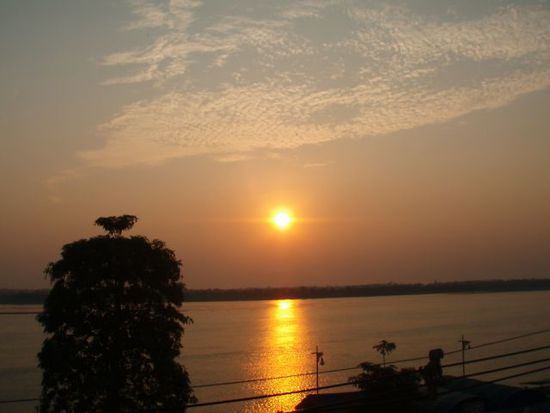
282	220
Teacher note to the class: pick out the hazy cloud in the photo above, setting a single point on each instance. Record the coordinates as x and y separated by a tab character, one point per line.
231	80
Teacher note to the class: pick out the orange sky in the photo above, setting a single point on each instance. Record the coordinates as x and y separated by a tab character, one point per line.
412	143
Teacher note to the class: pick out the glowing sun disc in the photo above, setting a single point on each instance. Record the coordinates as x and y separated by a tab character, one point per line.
282	220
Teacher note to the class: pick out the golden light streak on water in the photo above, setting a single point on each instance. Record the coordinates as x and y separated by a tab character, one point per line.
284	356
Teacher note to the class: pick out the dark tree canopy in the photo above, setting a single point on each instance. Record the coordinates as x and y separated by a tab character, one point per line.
113	328
388	389
116	224
385	348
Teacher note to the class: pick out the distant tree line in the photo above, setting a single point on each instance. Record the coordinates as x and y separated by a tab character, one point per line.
17	297
369	290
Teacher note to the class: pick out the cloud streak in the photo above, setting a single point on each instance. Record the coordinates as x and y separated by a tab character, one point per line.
282	75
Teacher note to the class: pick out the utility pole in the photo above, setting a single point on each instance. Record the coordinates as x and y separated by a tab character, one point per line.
318	360
465	346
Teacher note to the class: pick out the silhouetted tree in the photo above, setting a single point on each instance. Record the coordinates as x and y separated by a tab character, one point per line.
388	389
115	225
113	326
385	348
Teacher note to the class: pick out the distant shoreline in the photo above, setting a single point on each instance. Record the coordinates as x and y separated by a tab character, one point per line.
37	297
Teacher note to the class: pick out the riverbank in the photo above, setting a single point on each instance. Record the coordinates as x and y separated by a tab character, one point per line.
37	297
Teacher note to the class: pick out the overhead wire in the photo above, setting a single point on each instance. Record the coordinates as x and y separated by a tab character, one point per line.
399	361
270	395
337	405
498	356
508	339
19	401
505	340
312	373
20	312
322	407
279	394
350	383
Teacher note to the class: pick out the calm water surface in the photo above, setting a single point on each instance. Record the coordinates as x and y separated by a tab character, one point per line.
243	340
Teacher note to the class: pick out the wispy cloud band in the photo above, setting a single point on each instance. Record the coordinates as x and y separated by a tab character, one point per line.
281	76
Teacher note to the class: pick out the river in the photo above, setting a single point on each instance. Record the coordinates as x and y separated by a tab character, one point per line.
244	340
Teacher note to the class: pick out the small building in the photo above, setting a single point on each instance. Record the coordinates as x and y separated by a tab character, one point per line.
457	395
498	396
346	402
457	402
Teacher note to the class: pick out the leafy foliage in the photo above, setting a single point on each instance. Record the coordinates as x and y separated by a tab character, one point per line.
385	348
390	389
115	225
114	328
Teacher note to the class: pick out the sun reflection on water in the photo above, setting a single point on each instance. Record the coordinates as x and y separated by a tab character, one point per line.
284	307
284	355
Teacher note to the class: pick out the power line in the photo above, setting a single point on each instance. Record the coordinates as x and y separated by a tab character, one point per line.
338	405
349	403
498	356
271	395
267	396
20	312
512	376
260	379
264	396
226	383
505	340
514	366
399	361
19	401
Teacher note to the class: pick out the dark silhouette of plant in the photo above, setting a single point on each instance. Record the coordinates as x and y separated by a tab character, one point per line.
115	225
385	348
113	326
388	389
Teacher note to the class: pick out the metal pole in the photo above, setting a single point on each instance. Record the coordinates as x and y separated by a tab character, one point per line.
465	346
317	366
463	364
318	358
